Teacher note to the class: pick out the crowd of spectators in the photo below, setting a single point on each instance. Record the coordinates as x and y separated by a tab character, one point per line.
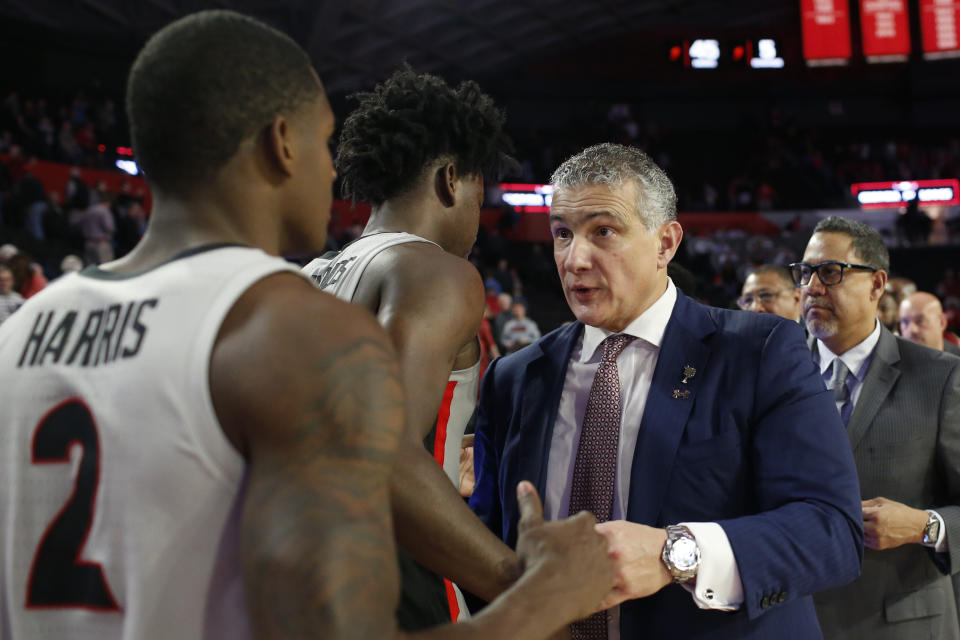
772	165
775	163
82	128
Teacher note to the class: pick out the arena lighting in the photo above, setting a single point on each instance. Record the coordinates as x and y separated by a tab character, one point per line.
527	198
887	195
128	166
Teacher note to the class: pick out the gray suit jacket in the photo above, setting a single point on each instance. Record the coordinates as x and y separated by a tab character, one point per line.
905	435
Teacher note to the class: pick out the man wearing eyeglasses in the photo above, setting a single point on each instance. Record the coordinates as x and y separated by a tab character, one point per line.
770	289
901	405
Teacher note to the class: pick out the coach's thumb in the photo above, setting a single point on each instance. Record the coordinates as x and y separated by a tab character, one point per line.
531	510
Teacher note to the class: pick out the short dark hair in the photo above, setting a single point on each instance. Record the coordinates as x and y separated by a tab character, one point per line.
410	121
865	240
779	270
202	85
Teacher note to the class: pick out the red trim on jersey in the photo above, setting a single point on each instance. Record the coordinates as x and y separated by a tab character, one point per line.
440	439
452	602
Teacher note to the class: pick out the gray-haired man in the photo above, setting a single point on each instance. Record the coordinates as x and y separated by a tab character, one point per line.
901	406
702	439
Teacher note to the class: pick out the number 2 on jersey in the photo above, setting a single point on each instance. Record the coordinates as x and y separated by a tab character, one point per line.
59	578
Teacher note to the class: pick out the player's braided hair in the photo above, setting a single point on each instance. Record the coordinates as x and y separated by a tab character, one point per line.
411	121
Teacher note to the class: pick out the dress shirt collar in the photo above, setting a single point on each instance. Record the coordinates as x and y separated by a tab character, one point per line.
649	326
855	357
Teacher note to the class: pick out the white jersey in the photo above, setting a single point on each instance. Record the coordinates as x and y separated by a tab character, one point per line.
340	275
119	493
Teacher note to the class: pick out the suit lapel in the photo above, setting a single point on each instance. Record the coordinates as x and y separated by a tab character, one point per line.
668	407
542	387
881	376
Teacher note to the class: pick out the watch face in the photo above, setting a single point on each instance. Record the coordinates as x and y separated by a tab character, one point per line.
683	554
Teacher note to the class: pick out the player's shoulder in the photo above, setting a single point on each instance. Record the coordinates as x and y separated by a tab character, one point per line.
421	269
287	307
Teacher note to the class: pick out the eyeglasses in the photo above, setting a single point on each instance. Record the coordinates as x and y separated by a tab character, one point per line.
829	272
765	298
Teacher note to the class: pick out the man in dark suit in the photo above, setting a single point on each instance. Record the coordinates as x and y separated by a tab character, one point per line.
901	404
702	439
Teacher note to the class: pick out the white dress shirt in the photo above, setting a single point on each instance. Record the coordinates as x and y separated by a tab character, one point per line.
857	358
718	584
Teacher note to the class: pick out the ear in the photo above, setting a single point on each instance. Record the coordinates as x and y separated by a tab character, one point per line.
670	235
878	285
278	145
445	184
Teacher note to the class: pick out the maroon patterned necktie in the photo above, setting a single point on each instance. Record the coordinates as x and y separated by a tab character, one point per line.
595	469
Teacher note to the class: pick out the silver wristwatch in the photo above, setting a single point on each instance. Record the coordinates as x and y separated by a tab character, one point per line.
931	532
681	554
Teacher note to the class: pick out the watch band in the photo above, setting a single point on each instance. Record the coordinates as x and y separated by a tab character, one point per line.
681	554
931	532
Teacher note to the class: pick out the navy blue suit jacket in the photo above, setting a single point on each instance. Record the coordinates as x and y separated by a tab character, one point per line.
756	446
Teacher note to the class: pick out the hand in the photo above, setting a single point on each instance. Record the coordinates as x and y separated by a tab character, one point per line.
638	569
567	558
888	524
467	479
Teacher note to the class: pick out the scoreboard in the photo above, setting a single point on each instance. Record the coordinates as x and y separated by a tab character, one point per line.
714	53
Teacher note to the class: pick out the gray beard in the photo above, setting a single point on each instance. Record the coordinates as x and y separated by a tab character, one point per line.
822	329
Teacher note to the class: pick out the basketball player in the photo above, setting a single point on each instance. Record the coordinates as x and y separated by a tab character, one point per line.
196	443
416	150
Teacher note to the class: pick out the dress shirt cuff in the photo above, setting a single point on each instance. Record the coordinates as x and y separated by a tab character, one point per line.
718	584
941	545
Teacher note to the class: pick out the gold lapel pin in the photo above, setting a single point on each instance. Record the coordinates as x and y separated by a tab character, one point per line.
688	372
681	395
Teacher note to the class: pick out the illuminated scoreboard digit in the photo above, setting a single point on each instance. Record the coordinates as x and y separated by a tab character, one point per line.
712	53
767	55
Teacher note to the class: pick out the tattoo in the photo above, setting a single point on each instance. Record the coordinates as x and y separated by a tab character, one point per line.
318	545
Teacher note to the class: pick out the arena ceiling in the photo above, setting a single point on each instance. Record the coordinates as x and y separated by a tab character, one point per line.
356	42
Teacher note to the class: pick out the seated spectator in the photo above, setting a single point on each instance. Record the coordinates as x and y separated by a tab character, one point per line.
519	331
98	228
28	278
10	300
70	264
503	314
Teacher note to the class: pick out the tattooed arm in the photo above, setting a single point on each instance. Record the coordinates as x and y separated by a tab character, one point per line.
306	387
